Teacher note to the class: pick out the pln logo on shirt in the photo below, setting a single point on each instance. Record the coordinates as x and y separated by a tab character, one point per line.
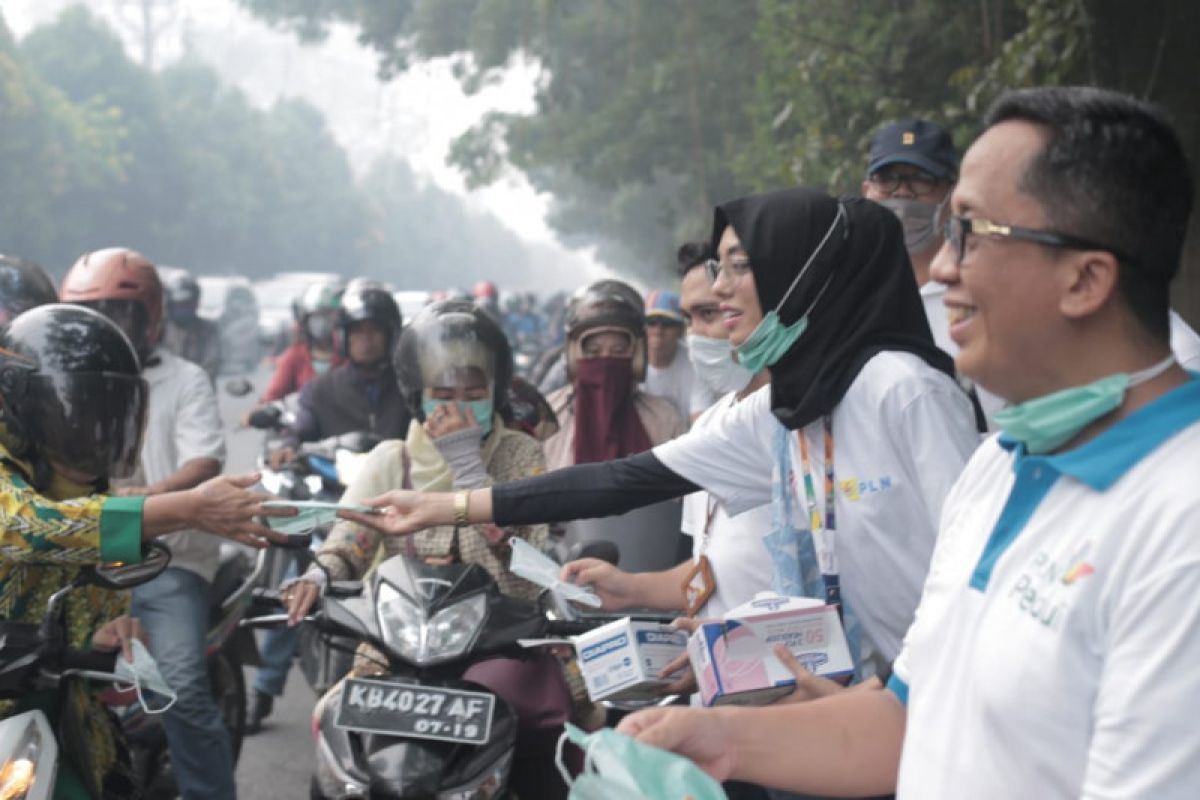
856	488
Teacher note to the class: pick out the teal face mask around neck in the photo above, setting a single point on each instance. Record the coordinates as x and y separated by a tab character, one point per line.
482	409
772	339
616	765
1045	423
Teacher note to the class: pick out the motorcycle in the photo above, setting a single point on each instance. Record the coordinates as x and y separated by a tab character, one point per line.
419	729
35	658
228	647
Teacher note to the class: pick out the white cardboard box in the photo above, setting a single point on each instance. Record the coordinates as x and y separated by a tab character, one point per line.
734	661
621	660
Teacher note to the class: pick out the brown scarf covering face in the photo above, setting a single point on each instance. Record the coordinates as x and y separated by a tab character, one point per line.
607	425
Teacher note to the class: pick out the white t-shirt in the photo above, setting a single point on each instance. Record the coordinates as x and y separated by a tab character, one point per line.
902	433
1060	661
183	422
932	296
673	382
740	561
1185	343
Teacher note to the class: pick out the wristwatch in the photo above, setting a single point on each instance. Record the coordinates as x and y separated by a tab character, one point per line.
462	505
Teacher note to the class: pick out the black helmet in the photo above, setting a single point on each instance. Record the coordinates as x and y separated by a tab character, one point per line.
607	304
361	303
23	285
72	389
183	294
452	334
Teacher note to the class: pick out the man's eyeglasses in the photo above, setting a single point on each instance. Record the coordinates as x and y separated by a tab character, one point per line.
957	229
737	268
921	184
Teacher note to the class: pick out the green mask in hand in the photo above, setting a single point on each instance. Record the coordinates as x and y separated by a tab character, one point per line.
616	765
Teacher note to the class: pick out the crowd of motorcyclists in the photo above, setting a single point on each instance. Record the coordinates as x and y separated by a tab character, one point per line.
959	380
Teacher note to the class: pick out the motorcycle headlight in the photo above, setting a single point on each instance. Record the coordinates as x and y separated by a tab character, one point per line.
423	641
401	621
29	751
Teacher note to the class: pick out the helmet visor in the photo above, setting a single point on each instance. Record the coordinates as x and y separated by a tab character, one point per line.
89	421
452	356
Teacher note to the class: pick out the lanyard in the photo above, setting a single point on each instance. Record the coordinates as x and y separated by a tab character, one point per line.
823	533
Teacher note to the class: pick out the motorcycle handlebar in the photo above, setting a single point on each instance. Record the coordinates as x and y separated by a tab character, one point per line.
92	660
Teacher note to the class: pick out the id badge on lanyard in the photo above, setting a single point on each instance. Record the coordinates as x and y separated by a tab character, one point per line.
700	583
824	530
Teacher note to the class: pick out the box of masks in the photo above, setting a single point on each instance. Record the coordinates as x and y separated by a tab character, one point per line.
734	660
621	660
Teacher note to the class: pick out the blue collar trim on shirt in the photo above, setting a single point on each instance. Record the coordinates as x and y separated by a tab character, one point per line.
1098	463
1102	461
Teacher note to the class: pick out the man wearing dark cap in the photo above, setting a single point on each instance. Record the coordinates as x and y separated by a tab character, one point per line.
912	168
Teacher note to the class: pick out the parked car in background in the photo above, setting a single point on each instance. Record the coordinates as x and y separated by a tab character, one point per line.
229	301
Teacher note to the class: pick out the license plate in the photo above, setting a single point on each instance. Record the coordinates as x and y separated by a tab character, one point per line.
415	711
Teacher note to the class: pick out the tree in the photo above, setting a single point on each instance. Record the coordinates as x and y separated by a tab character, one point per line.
50	150
647	113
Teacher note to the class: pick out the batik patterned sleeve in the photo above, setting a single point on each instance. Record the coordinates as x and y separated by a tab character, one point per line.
85	530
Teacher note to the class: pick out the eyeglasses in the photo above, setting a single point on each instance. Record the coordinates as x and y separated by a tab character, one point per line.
919	183
957	229
736	268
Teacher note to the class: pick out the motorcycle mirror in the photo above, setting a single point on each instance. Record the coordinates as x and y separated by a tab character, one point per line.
238	387
265	418
597	548
122	575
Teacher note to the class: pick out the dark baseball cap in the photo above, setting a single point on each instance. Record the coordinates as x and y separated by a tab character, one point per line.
914	141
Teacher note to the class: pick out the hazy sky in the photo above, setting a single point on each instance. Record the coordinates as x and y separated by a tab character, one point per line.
416	115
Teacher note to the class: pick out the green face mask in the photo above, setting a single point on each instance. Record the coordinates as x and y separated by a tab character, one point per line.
616	765
1046	423
771	339
482	409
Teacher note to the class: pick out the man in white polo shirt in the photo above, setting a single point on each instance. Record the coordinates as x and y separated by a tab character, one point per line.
1053	653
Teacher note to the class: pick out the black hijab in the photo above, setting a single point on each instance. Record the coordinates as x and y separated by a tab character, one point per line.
871	303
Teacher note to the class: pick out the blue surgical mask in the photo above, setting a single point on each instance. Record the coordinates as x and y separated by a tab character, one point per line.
771	339
1046	423
616	765
320	365
482	409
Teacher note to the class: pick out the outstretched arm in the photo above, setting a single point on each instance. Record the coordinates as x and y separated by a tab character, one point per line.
580	492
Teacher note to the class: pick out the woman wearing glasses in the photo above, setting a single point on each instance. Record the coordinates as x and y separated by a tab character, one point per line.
855	443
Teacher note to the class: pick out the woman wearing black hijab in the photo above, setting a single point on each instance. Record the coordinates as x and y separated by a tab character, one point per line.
820	292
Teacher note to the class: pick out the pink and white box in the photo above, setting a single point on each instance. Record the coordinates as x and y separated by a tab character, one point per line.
734	660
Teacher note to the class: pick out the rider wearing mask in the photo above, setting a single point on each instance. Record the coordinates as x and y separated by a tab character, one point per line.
186	333
314	354
184	446
23	285
453	365
360	394
73	406
602	413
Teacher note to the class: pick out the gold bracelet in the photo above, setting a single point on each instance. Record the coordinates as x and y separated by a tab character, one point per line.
462	506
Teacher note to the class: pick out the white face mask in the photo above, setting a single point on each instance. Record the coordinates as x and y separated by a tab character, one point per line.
143	674
713	361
